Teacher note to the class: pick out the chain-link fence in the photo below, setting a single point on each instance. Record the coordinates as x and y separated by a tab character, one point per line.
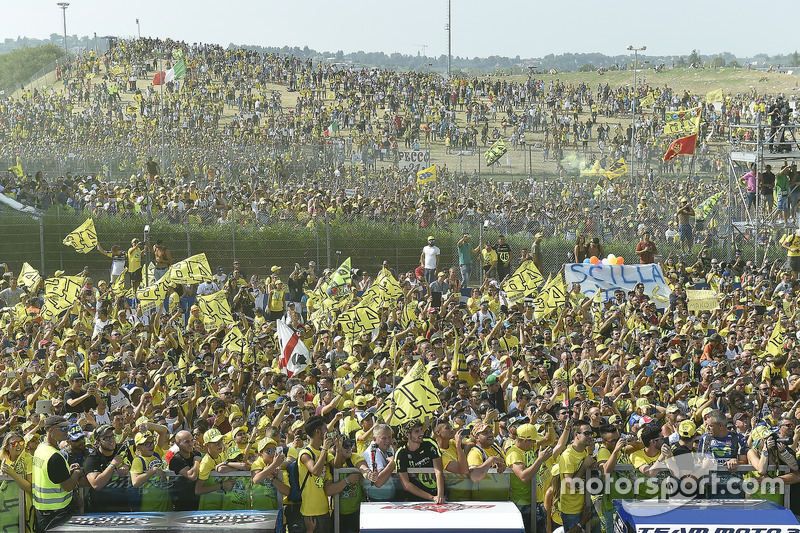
260	239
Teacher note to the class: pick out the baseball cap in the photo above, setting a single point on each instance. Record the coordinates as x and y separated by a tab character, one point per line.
75	432
212	435
141	438
480	427
527	432
263	443
75	375
687	429
101	430
491	379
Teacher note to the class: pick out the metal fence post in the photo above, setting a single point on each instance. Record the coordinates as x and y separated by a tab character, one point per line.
328	239
336	500
41	240
188	238
534	495
233	231
60	251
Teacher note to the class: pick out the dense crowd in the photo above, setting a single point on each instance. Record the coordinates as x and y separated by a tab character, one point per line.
126	395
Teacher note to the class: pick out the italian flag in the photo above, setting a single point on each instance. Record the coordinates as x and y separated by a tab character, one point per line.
176	72
332	128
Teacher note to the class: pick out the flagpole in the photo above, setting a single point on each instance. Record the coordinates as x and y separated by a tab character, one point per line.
161	107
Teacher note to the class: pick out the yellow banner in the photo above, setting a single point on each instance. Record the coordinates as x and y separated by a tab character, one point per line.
83	238
215	309
687	121
776	340
29	277
714	96
648	101
191	270
118	287
362	318
235	341
524	282
416	398
426	175
409	314
339	282
60	294
617	169
701	300
552	296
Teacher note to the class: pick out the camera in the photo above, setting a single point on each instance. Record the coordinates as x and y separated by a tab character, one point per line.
786	441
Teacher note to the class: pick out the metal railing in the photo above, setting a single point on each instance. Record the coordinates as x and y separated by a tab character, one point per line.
337	472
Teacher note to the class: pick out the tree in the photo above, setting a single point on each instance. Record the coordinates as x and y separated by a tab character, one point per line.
587	67
718	62
694	58
794	58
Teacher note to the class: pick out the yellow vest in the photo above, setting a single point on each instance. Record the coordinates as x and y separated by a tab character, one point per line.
47	496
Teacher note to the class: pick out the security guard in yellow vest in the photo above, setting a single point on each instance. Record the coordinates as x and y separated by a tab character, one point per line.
53	478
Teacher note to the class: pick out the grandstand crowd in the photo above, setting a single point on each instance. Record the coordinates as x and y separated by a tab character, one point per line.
628	382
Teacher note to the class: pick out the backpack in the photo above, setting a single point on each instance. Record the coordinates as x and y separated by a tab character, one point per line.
293	471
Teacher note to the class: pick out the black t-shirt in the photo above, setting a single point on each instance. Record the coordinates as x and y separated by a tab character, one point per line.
114	497
296	287
183	496
422	457
767	178
82	407
57	468
503	252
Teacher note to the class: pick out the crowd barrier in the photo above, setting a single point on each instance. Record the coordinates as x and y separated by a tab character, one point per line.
494	487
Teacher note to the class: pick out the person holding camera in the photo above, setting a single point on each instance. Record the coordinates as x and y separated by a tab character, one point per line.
767	453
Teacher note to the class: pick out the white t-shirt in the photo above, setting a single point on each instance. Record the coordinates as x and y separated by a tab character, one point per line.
431	253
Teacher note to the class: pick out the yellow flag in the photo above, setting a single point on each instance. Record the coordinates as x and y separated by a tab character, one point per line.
426	175
132	110
29	277
409	314
17	169
191	270
416	398
60	294
362	318
617	169
552	298
118	287
83	238
714	96
648	100
524	282
235	341
339	282
776	340
686	121
215	309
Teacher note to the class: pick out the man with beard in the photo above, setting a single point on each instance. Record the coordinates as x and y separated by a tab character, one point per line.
101	464
420	452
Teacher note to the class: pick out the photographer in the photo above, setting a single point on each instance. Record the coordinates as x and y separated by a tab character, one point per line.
78	400
766	454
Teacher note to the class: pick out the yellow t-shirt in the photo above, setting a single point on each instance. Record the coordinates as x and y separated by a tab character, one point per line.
492	486
638	459
315	502
210	501
155	495
134	259
264	494
521	492
568	463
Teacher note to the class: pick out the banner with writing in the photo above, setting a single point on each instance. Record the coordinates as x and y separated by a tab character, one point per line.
625	277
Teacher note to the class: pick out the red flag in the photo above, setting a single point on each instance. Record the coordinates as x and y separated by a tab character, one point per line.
294	354
158	79
682	146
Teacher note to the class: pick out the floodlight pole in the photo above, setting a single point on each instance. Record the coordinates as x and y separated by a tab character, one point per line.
633	100
138	28
64	6
449	39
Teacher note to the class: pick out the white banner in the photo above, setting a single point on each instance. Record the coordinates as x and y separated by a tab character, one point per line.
701	300
413	160
625	277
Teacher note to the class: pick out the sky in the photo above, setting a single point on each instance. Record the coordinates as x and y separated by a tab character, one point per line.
529	29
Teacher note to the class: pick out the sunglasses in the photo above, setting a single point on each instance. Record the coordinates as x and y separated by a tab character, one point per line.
586	433
16	444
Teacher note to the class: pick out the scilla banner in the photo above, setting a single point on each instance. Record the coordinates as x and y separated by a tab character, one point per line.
625	277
